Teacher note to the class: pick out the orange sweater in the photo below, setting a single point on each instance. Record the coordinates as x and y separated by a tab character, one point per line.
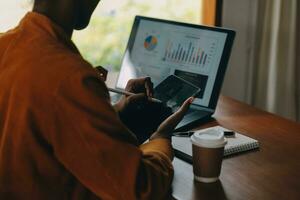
60	138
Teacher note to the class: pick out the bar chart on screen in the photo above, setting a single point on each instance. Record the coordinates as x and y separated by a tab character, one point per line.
193	52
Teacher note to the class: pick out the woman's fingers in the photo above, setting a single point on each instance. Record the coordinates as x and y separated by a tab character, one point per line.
140	85
170	123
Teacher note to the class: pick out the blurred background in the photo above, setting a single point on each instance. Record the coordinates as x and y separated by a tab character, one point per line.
264	68
104	41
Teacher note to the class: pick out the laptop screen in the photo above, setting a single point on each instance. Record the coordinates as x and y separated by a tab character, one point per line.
159	48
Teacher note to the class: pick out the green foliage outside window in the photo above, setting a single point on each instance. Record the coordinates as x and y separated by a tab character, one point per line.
104	41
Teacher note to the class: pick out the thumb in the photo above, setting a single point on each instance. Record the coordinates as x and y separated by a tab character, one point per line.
171	122
179	114
186	105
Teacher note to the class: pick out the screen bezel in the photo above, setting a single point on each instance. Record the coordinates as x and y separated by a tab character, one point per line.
224	58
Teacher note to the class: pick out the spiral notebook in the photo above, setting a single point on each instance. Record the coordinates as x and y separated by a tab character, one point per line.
237	144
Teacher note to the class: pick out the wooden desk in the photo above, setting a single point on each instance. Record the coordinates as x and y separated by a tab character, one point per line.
273	172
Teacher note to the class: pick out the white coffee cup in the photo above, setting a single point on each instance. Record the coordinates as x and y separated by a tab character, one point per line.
208	150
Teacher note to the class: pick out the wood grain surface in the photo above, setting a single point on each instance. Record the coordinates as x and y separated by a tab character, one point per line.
272	172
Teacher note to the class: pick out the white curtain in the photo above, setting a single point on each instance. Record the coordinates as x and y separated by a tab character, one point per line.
277	74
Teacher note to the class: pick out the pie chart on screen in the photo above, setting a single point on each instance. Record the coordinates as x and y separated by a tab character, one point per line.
150	43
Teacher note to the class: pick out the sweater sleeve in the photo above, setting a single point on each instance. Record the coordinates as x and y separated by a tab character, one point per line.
92	143
156	174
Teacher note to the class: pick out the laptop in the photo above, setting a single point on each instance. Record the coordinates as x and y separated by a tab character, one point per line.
198	54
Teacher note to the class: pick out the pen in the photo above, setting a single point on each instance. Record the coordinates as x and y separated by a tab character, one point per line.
183	134
119	91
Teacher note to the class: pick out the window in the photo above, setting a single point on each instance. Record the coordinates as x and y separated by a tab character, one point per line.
11	11
104	41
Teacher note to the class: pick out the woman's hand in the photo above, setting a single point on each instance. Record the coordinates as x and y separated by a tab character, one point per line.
140	115
167	127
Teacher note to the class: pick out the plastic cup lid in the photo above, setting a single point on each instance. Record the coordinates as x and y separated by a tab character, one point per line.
211	138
